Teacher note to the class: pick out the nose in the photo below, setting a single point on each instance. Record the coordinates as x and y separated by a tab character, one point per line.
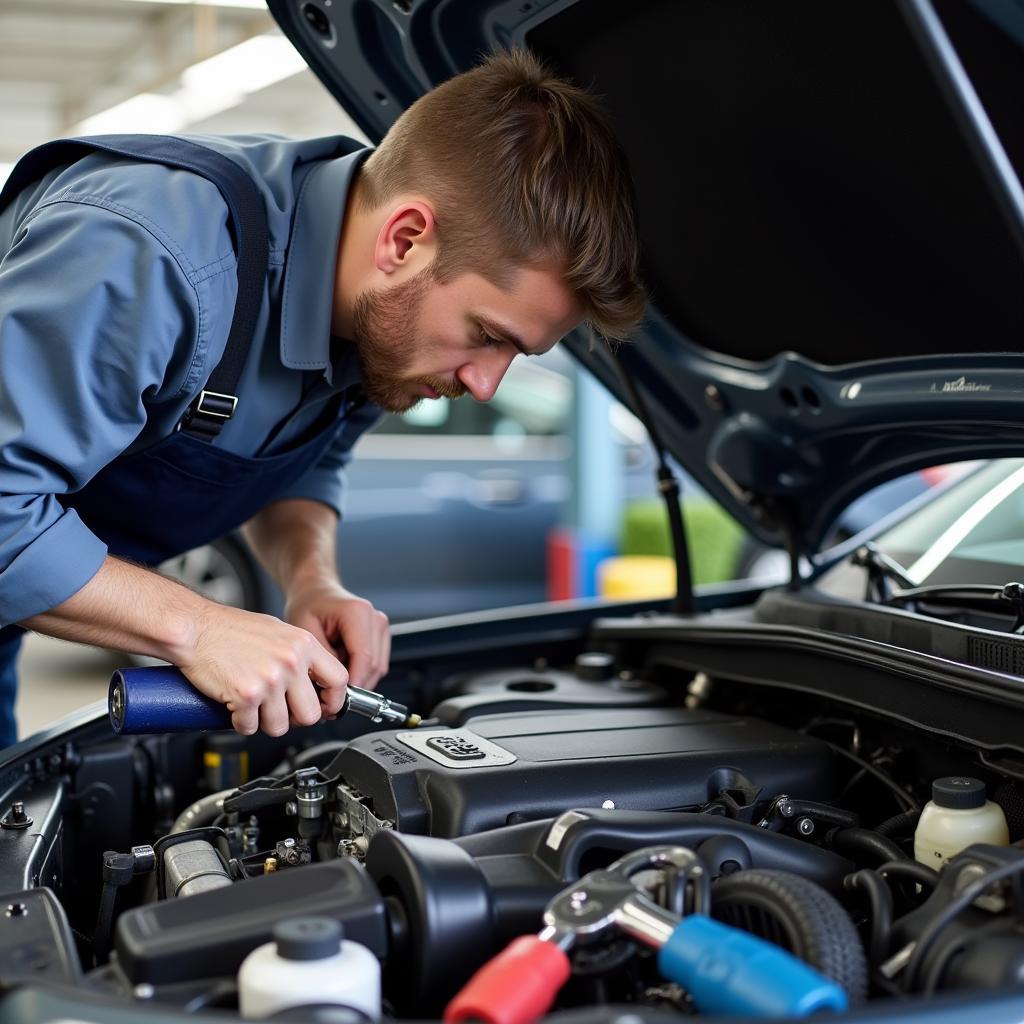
483	373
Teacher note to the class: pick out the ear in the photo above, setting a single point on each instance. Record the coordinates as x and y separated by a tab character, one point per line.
407	239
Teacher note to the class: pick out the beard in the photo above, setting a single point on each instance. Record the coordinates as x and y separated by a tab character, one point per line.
384	328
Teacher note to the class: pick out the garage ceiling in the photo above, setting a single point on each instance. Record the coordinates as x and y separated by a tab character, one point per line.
91	66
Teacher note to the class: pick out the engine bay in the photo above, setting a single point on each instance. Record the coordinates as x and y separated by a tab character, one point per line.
639	836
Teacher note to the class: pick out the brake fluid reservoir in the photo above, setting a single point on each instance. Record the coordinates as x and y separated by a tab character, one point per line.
957	816
309	964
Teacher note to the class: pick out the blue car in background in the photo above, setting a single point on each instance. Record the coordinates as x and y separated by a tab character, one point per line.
449	507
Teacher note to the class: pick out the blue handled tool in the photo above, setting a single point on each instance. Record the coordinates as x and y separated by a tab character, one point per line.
729	971
161	699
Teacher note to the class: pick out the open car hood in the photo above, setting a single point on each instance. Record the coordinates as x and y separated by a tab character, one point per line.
832	222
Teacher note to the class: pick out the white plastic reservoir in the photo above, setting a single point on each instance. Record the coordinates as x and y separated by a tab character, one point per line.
957	815
309	963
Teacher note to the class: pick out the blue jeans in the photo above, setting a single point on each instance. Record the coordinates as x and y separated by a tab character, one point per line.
10	644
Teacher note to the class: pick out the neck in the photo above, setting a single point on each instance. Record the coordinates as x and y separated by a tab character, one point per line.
355	248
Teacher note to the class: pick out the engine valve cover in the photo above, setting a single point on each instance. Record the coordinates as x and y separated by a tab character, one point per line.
509	768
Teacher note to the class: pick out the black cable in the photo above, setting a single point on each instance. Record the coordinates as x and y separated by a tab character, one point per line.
880	909
309	756
668	487
118	871
897	790
935	927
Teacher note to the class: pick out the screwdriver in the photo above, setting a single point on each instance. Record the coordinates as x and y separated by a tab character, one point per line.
161	699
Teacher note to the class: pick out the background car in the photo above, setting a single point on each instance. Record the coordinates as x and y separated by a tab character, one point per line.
449	507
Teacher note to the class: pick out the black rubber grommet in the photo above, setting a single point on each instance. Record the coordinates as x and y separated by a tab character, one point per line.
798	915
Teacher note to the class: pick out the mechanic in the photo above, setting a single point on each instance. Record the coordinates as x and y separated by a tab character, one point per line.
156	392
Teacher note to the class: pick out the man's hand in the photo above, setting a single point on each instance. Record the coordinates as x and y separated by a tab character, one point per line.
264	671
294	539
347	624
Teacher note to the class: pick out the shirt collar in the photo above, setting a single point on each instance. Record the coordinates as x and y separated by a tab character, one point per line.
310	264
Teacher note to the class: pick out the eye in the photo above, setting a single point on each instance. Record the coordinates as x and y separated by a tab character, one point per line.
487	340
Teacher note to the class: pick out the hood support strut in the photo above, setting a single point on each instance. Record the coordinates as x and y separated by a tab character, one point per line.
668	486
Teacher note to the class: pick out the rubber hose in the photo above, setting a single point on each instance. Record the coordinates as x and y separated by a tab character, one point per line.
879	895
852	841
899	826
926	876
801	917
203	812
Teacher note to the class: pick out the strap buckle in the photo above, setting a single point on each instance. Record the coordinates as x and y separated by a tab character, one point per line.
208	413
212	403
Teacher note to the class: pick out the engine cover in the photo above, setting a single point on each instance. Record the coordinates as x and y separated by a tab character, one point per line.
508	768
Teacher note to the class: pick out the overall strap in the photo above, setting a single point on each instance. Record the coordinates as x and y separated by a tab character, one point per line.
218	400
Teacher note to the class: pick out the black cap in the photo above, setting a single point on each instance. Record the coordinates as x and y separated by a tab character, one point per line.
959	791
308	938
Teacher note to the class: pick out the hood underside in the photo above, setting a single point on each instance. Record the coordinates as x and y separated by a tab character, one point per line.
832	222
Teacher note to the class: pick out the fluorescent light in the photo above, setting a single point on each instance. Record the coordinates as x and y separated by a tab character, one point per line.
255	5
146	112
247	67
207	88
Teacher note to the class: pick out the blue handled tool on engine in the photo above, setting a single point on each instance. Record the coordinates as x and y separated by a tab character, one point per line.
724	970
161	699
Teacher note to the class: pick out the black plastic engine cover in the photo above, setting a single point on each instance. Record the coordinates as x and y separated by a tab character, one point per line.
517	767
209	934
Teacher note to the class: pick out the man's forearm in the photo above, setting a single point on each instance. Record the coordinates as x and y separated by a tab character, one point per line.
259	667
129	608
294	541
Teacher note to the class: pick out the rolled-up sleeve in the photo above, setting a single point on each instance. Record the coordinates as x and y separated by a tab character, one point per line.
92	305
325	481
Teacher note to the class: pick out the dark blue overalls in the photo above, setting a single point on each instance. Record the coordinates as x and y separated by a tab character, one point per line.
181	492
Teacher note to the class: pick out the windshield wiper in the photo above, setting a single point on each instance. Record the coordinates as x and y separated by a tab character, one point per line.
983	597
1008	598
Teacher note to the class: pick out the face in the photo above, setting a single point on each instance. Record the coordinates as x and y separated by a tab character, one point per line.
427	339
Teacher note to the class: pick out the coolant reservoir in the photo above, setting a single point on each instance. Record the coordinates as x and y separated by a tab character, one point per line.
957	816
309	964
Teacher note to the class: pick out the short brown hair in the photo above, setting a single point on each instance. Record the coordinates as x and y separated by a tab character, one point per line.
522	168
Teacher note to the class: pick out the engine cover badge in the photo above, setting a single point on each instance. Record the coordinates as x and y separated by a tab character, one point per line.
456	748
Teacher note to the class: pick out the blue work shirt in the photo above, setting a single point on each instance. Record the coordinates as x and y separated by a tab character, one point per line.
117	289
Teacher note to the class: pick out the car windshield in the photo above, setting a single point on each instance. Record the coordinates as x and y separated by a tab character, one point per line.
973	532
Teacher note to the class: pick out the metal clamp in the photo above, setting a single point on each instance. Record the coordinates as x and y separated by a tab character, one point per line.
622	898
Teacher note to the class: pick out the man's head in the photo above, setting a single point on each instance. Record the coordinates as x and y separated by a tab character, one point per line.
495	216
